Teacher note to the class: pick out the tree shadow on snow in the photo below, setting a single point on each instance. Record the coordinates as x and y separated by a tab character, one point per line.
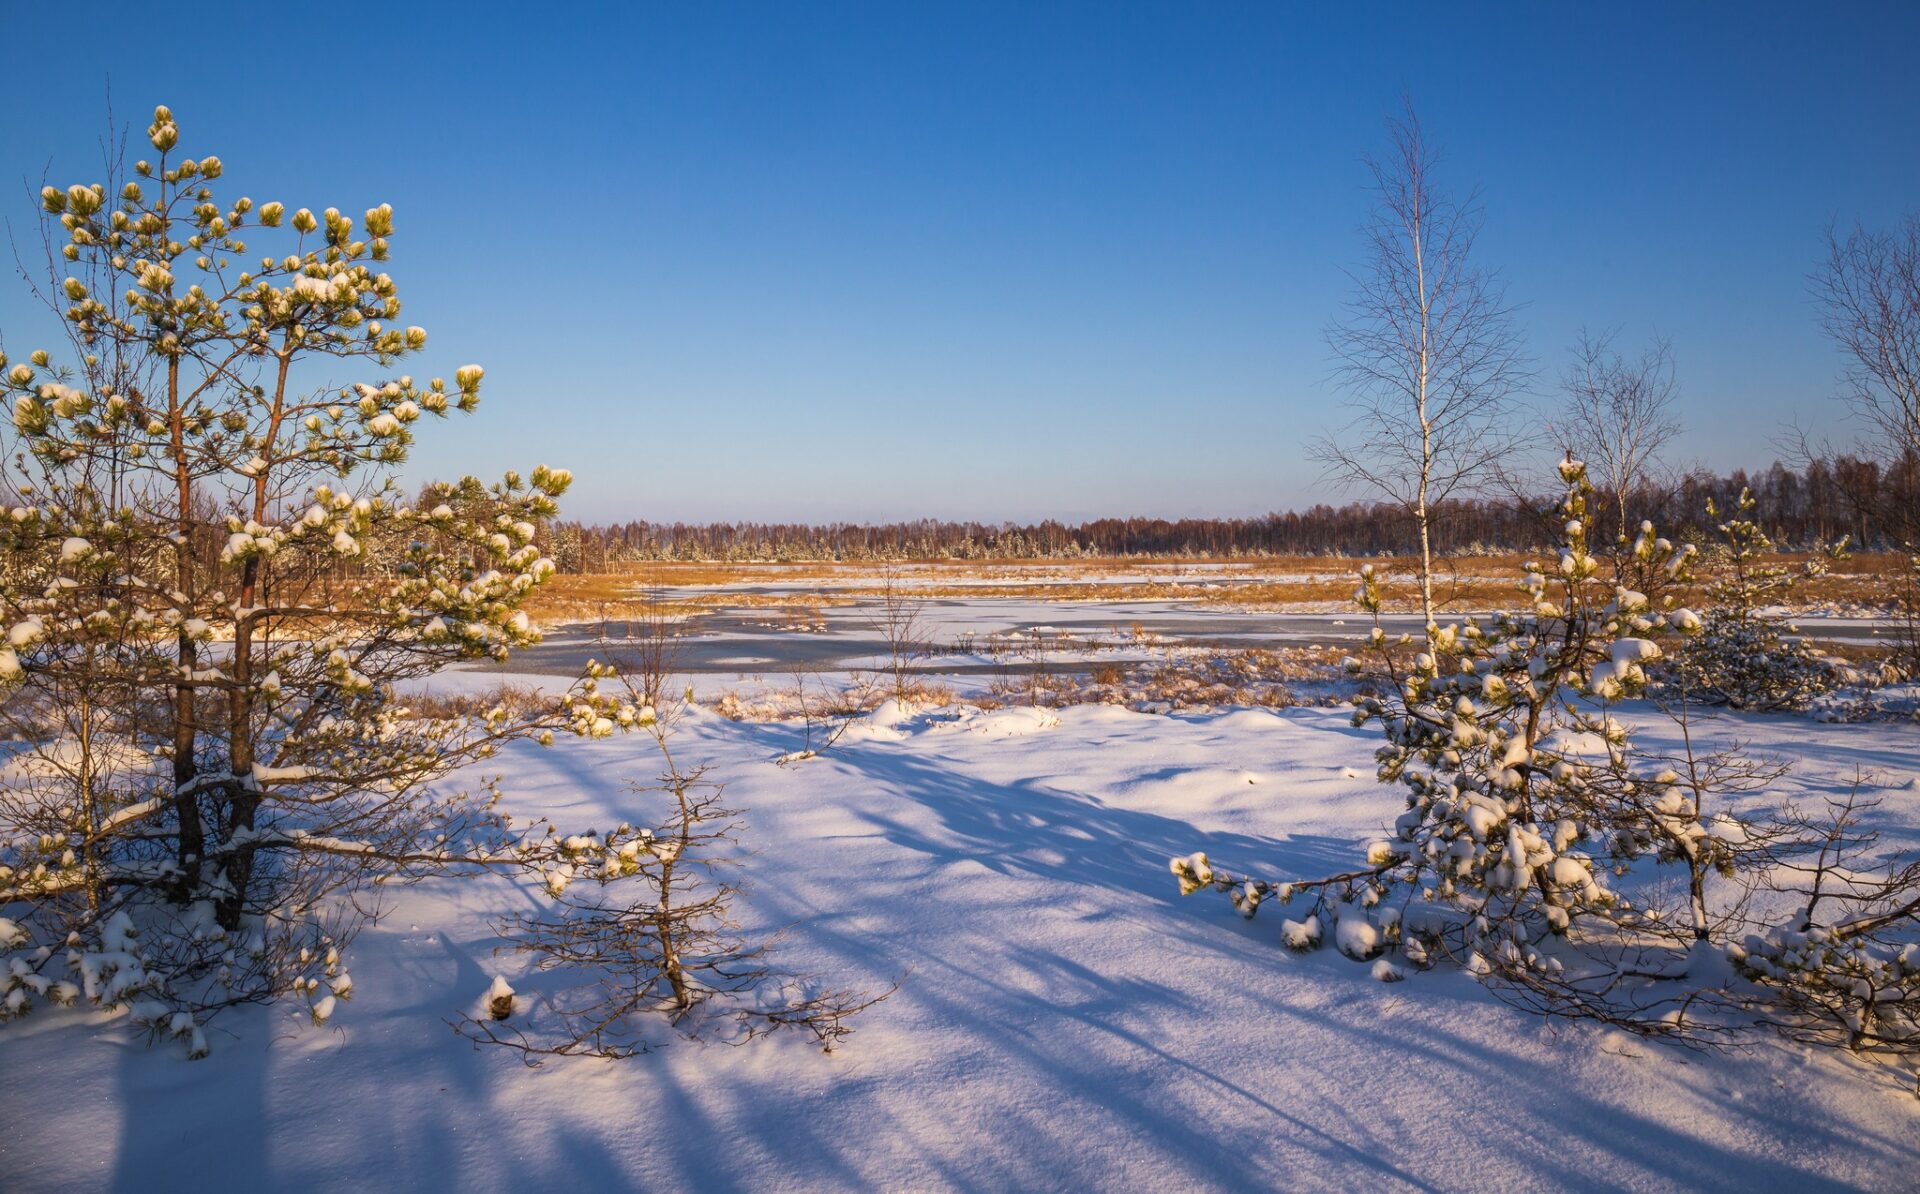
1038	1010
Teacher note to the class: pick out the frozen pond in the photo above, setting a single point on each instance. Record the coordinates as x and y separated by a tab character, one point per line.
983	635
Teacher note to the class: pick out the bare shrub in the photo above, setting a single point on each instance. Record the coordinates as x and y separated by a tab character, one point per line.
643	915
825	715
647	649
901	624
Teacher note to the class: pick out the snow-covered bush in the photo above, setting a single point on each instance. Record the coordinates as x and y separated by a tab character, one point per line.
1499	734
1843	967
1747	655
210	585
1754	663
1537	831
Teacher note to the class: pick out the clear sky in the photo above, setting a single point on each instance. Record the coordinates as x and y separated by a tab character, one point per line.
816	261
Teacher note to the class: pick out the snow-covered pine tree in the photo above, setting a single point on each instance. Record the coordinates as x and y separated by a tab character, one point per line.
1533	815
210	587
1523	791
1747	655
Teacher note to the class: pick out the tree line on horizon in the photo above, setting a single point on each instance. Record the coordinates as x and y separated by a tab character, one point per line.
1817	504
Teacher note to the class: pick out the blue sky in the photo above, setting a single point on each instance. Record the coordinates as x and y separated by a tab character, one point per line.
836	261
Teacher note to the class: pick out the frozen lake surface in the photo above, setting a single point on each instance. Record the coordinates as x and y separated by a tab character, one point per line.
742	640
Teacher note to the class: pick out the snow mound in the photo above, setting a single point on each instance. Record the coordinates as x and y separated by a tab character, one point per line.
1013	723
892	712
1252	721
887	723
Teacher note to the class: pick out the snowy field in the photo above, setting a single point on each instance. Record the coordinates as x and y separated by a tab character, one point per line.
1065	1019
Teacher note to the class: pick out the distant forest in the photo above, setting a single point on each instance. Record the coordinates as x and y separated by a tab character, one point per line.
1807	507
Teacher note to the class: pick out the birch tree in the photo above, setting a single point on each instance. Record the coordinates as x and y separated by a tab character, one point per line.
1618	416
1427	352
1869	295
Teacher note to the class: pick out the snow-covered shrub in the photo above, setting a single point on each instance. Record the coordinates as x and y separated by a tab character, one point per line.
1844	966
1755	663
209	586
1511	765
639	928
1747	654
1527	803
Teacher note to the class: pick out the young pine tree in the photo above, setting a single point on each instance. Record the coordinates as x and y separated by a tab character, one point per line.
1747	656
637	930
1539	832
1524	795
210	586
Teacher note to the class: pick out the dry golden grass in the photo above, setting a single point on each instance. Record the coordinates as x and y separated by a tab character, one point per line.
1305	582
1864	578
579	598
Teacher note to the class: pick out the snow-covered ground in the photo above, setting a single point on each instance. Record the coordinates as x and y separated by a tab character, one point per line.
1065	1021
